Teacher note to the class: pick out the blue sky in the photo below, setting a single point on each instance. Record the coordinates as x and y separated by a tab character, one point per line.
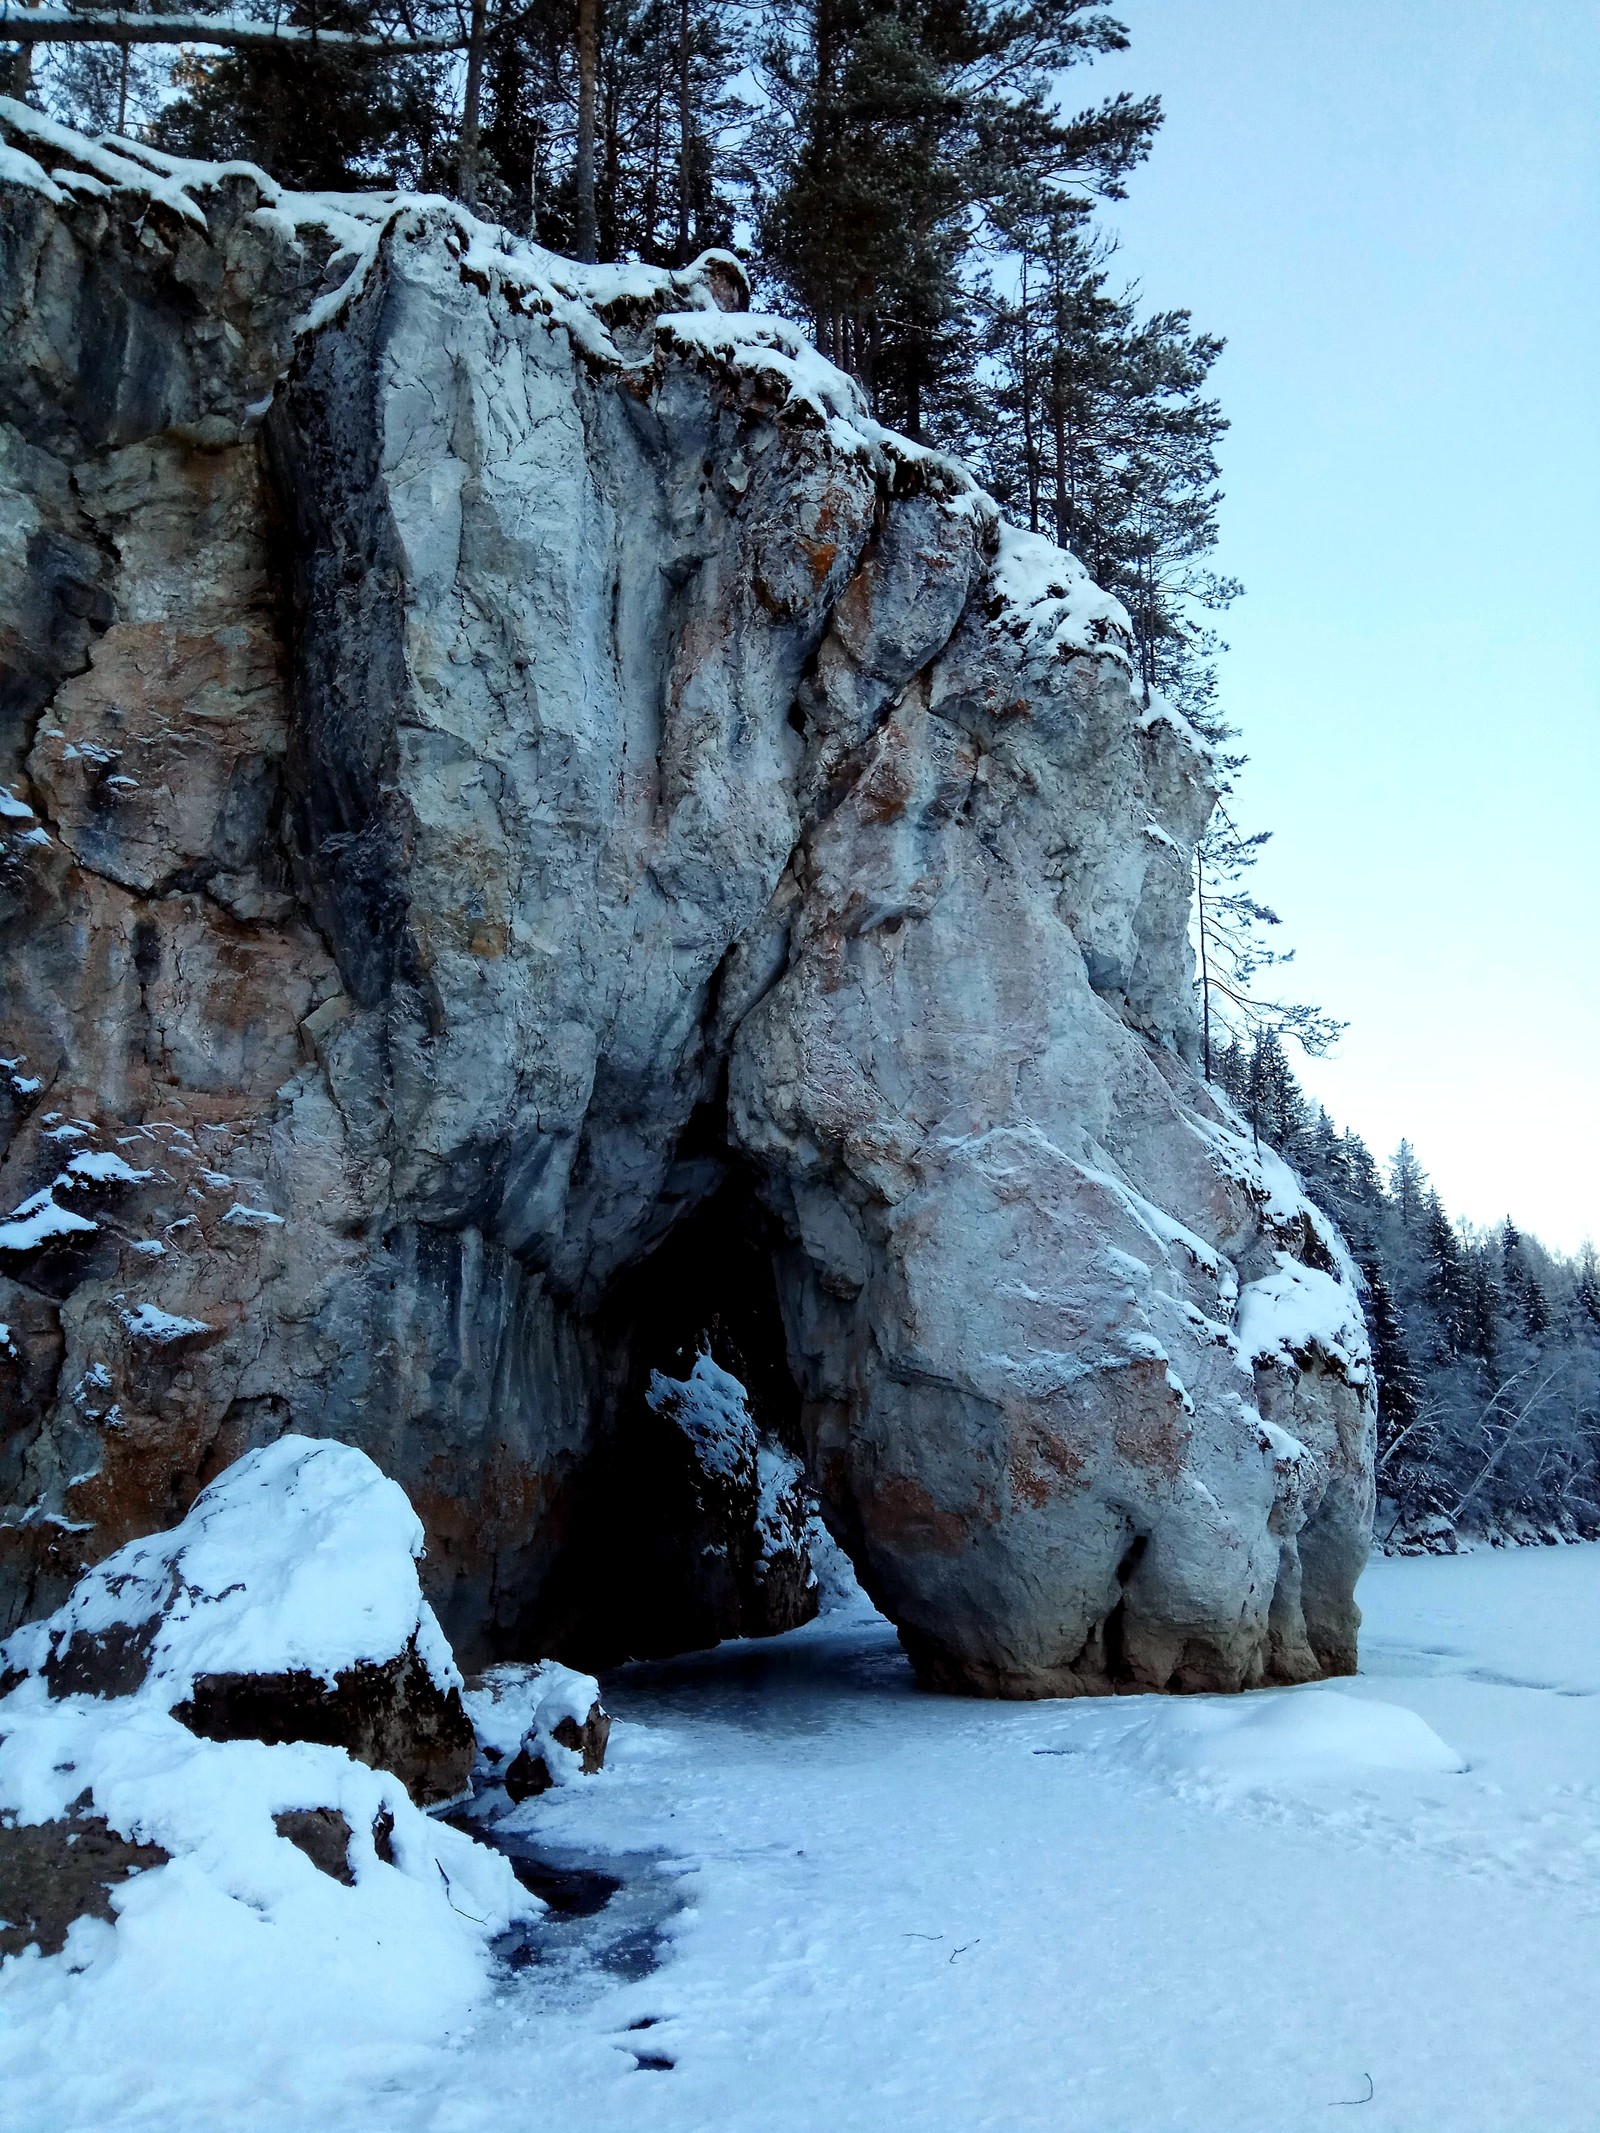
1391	208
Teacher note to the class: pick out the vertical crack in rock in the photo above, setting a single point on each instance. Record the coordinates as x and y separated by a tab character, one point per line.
520	786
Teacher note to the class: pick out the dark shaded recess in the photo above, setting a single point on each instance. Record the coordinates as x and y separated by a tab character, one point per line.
655	1565
63	606
54	1872
392	1717
1118	1669
337	564
128	329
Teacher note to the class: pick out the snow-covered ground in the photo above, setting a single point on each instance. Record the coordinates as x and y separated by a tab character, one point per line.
882	1910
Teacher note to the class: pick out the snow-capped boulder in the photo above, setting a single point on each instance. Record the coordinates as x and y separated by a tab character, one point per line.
538	1726
295	1868
286	1606
511	757
741	1532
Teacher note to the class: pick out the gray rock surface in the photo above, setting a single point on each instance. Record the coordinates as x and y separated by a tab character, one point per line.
507	758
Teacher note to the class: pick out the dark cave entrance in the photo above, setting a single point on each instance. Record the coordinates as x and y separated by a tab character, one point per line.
664	1556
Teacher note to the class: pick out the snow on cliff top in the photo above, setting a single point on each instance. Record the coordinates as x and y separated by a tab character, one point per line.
302	1556
1050	602
1041	594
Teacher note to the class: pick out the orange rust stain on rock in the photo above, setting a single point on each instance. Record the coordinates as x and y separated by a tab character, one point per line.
488	939
1152	1431
820	555
1041	1464
884	792
904	1515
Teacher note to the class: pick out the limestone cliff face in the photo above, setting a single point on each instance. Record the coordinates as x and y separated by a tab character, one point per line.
536	828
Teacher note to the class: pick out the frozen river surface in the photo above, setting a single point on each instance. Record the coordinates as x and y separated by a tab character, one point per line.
846	1905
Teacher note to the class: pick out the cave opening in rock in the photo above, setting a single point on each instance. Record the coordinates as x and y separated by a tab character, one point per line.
689	1526
1119	1670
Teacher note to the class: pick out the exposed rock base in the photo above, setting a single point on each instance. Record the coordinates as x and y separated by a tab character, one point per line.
54	1872
391	1717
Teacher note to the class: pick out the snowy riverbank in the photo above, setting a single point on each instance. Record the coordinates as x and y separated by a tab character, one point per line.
879	1909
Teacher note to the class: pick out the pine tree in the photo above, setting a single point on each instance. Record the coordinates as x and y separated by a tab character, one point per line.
1524	1296
1408	1186
1445	1277
1229	928
899	130
1404	1445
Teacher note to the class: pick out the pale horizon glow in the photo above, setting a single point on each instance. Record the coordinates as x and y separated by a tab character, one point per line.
1391	213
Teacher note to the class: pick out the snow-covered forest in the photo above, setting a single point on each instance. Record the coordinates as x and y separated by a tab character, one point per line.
1487	1346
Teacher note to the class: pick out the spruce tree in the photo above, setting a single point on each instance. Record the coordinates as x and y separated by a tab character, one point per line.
899	131
1408	1186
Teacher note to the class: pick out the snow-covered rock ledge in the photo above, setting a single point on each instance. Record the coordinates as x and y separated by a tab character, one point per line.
534	828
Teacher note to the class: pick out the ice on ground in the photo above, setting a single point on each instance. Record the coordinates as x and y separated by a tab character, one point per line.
303	1555
934	1913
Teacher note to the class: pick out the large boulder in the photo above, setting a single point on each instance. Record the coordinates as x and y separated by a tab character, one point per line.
510	769
285	1607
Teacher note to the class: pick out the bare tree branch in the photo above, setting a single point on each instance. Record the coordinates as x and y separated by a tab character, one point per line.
40	25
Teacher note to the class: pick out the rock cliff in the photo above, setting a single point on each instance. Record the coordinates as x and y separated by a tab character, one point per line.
535	829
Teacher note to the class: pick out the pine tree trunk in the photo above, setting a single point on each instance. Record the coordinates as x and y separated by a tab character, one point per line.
1030	453
588	229
1059	420
685	133
467	172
